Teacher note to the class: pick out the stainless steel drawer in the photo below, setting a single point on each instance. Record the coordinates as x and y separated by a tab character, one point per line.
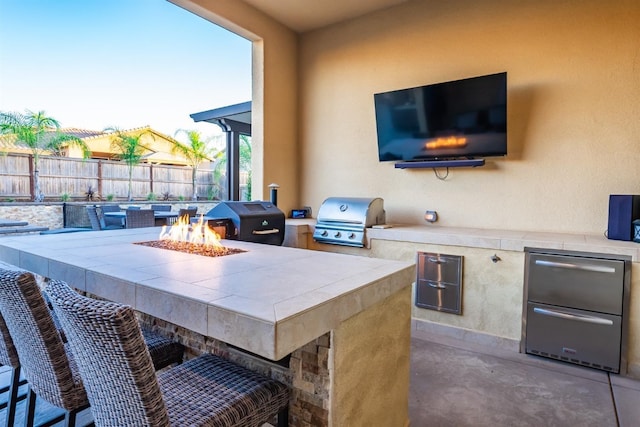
575	336
439	296
440	268
580	282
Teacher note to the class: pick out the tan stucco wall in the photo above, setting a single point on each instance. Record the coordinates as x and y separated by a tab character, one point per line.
274	93
573	110
492	293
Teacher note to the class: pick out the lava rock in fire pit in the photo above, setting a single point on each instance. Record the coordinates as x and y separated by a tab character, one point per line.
191	248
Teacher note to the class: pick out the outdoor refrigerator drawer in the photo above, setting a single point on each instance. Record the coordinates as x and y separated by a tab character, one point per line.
592	284
575	336
439	268
439	296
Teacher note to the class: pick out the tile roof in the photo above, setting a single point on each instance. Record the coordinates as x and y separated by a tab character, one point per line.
81	133
8	141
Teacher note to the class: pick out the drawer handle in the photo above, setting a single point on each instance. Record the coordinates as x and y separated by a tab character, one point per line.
570	316
594	268
436	285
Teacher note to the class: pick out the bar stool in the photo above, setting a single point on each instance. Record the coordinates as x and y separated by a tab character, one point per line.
45	361
48	364
9	358
107	343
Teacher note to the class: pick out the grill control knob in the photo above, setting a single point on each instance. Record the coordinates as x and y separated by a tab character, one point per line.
338	234
352	235
325	233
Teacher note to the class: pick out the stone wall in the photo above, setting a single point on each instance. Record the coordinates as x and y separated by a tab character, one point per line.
40	214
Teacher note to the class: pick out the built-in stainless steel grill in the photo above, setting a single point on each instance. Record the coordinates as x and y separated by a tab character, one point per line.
343	220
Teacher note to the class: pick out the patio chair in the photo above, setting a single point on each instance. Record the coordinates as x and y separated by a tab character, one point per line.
206	390
187	212
164	208
116	222
97	220
138	218
49	366
182	213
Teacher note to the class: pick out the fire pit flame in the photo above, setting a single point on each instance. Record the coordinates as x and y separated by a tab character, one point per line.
197	238
183	231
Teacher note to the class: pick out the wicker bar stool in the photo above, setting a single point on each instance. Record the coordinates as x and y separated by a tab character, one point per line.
164	352
48	364
43	356
205	391
9	358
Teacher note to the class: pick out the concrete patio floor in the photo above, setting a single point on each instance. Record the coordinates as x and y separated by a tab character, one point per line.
454	383
457	384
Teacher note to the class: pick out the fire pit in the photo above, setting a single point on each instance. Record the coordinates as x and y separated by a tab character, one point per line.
197	239
191	248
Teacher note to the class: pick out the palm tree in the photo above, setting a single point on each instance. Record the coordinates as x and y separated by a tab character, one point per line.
41	134
195	152
130	150
244	162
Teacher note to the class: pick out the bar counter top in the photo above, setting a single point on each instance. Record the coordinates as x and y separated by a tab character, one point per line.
269	300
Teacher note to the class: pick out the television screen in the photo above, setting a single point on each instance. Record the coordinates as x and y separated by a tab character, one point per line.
451	120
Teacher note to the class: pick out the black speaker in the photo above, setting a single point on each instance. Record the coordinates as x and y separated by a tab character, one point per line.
623	210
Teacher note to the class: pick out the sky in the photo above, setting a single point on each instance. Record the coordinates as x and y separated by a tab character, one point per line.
95	64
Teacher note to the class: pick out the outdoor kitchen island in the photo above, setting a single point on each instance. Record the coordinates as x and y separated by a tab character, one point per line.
344	320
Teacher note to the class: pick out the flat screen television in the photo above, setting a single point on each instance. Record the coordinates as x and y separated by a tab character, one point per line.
460	119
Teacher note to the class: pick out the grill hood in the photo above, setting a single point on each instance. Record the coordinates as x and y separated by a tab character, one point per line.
343	220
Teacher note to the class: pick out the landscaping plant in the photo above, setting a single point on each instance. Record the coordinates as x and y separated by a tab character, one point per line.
41	135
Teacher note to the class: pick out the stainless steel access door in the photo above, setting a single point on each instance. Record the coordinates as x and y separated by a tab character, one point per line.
439	282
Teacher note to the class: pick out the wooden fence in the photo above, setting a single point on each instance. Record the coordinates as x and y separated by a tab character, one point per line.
71	179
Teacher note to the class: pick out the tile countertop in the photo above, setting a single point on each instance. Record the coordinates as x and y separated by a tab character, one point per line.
510	240
269	300
506	239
